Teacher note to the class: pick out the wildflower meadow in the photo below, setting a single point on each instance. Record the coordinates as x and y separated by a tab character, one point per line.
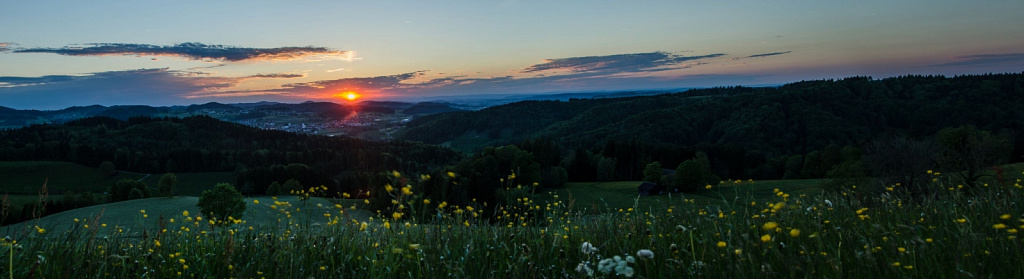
953	232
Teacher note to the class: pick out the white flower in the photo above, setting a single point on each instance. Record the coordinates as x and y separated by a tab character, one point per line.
606	265
584	267
644	253
630	259
587	248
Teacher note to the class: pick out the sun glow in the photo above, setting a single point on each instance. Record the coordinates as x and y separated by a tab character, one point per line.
349	95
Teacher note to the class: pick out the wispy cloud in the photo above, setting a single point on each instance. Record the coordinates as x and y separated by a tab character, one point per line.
769	54
142	86
634	62
277	76
4	47
984	60
199	51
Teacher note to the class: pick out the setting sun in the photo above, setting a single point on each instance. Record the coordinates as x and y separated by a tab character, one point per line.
351	96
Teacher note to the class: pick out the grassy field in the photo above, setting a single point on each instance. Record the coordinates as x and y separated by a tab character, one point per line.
134	216
25	178
598	197
745	229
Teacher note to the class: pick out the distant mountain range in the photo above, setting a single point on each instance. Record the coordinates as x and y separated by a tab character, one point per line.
13	118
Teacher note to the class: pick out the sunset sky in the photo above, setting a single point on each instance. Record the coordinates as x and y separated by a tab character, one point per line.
55	54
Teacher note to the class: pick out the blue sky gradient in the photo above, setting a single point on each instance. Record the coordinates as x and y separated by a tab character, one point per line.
55	54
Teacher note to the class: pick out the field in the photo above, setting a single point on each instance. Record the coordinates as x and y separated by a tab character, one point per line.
598	197
745	229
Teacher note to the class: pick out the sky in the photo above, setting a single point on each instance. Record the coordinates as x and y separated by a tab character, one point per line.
55	54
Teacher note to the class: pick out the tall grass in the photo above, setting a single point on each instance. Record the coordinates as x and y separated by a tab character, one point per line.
954	233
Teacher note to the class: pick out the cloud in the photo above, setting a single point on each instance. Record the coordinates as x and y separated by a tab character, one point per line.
4	47
277	76
768	54
984	60
335	70
634	62
199	51
143	86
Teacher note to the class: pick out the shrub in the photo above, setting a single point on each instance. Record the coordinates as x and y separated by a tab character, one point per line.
221	202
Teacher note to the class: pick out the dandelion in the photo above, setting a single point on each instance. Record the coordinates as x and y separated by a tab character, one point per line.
770	225
587	248
737	251
362	227
255	201
721	244
1006	216
389	188
407	190
999	226
766	238
644	253
901	249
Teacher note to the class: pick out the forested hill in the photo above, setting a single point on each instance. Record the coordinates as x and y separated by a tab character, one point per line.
205	144
790	119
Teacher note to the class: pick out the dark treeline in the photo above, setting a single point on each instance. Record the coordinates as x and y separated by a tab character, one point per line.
798	130
204	144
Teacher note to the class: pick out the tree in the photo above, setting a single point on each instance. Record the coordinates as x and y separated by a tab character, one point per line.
652	173
606	169
695	173
275	189
166	184
900	160
106	168
122	190
291	186
221	202
965	151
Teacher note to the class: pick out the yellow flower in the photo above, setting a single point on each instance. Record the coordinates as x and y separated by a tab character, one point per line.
770	225
707	186
396	174
396	215
451	174
766	238
387	225
721	244
738	251
1005	216
407	190
794	232
999	226
389	188
255	201
184	213
902	250
362	227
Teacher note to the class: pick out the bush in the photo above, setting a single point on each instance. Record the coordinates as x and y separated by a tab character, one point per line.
167	183
122	190
221	202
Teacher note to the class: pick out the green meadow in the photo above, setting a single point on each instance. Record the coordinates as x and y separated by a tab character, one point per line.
738	229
